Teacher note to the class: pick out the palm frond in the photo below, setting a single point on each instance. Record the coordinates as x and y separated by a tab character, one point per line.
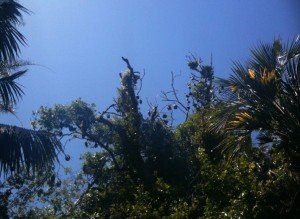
7	67
293	49
267	92
23	148
236	144
10	37
222	115
264	55
10	90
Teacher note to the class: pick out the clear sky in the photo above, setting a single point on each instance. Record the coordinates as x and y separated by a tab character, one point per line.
80	44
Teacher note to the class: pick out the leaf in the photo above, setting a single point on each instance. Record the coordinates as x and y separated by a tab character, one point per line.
10	91
10	37
26	148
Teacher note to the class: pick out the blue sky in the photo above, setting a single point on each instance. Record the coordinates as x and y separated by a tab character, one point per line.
78	44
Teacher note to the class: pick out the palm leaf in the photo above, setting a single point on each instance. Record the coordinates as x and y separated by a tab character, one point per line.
10	37
264	56
268	89
23	148
10	91
293	49
222	115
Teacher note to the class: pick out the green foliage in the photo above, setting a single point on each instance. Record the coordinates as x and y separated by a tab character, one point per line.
206	167
134	151
242	188
43	196
237	177
264	95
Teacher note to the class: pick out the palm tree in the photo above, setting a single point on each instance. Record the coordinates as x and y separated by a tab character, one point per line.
10	37
20	148
264	96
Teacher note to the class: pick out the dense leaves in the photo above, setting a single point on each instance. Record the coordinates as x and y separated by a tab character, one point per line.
207	167
140	166
265	96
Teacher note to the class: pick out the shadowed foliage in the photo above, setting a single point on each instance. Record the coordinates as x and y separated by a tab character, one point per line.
19	147
10	90
22	147
10	37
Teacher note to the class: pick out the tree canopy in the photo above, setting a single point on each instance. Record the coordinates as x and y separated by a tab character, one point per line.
236	155
206	167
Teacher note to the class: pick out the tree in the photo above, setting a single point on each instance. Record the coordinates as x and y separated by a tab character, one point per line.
10	37
137	158
264	95
256	182
19	147
143	168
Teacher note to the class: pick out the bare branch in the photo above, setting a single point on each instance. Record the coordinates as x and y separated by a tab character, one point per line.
128	64
174	97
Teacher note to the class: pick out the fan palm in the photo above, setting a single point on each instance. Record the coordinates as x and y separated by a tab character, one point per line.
264	96
19	147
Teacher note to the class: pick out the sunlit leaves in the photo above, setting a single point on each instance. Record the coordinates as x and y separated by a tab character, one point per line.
251	73
240	118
